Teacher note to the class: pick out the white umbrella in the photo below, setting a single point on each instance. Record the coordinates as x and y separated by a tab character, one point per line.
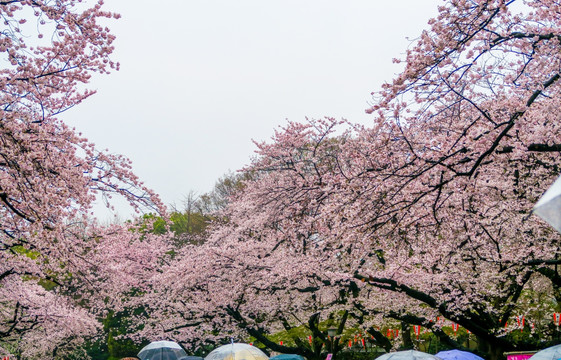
236	351
549	205
407	355
162	350
550	353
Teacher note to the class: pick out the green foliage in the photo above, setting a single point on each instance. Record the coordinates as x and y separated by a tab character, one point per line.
114	345
154	224
119	348
188	223
187	227
47	284
97	350
19	249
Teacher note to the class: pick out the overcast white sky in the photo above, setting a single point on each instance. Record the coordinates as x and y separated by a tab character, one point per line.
200	79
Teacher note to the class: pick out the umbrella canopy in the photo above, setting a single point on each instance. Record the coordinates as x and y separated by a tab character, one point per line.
237	351
549	205
287	357
550	353
457	355
407	355
162	350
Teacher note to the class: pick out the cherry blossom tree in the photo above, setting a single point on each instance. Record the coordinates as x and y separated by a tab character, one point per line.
475	111
430	205
50	175
233	287
54	316
427	210
433	201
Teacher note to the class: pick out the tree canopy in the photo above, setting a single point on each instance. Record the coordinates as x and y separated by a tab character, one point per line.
423	214
427	210
52	259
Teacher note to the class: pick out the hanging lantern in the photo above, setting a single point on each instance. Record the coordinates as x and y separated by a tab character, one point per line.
557	318
520	322
350	344
417	330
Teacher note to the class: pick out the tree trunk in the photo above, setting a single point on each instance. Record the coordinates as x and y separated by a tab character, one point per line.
493	351
407	342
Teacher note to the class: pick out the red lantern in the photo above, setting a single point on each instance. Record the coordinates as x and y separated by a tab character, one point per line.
417	330
520	321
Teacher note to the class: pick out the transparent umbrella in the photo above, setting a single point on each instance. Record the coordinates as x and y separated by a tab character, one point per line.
550	353
162	350
407	355
549	205
236	351
457	355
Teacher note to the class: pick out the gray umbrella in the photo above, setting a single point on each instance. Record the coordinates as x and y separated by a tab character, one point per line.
550	353
407	355
162	350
